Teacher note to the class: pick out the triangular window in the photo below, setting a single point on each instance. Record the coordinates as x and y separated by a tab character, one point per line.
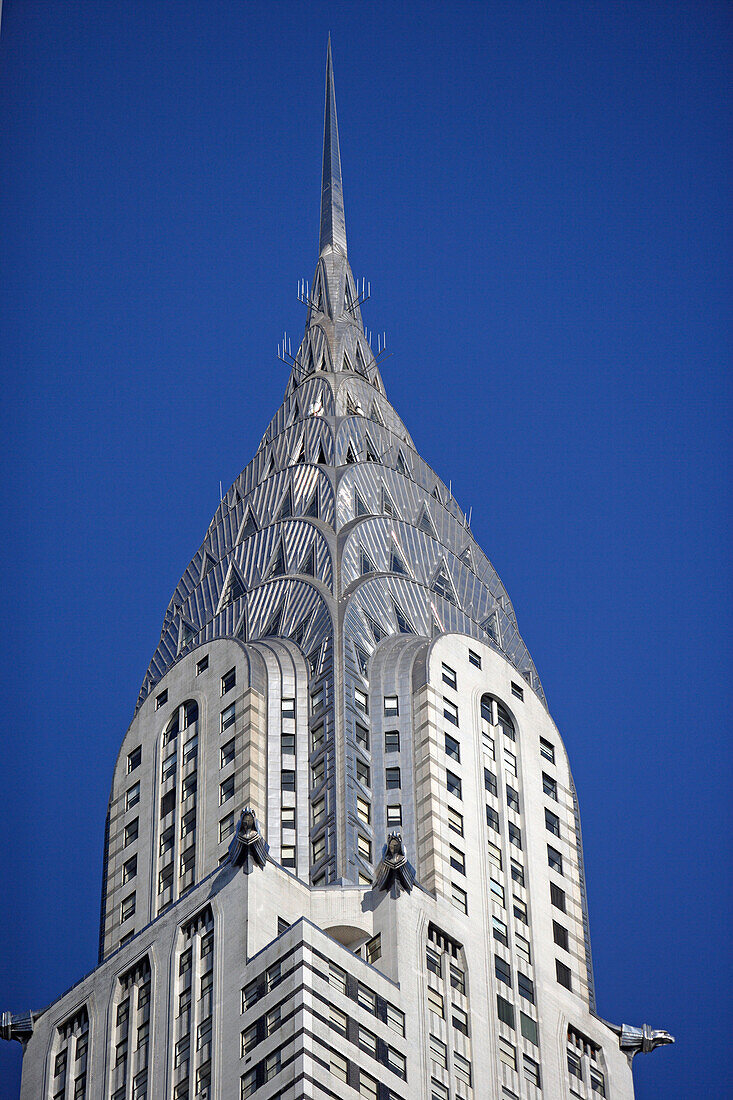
286	508
360	365
234	588
350	456
436	494
403	623
298	635
277	565
425	523
491	626
360	508
294	413
308	361
376	414
366	565
186	634
402	467
346	363
371	450
275	625
377	632
247	527
237	497
299	453
308	564
388	505
396	564
241	629
348	298
467	558
321	456
351	409
269	467
207	564
443	585
314	660
362	660
312	507
317	297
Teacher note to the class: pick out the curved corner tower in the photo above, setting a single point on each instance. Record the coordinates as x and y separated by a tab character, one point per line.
343	851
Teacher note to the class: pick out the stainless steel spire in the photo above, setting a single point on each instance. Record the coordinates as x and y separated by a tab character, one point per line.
333	221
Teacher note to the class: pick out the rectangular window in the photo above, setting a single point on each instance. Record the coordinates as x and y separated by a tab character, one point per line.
287	744
438	1052
450	711
287	855
557	897
549	786
531	1070
363	810
497	892
459	897
287	779
529	1028
452	748
392	779
395	1019
435	1003
438	1091
597	1083
552	822
132	797
338	1065
228	680
362	772
317	737
373	949
512	798
228	716
165	879
494	854
490	781
523	948
367	998
168	803
502	970
554	859
226	790
131	831
168	767
361	700
391	706
249	1085
227	753
318	698
337	977
226	827
507	1053
129	869
560	935
432	960
563	974
457	978
367	1041
474	658
457	860
492	818
287	816
362	735
364	847
167	839
462	1068
337	1019
392	741
318	773
520	910
202	665
134	758
127	908
455	821
515	834
188	823
394	816
500	931
287	708
525	986
319	849
190	749
368	1086
517	690
547	750
505	1010
510	763
453	783
449	677
517	873
161	700
188	859
575	1066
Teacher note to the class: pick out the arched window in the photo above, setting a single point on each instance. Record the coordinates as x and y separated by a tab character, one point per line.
190	713
496	714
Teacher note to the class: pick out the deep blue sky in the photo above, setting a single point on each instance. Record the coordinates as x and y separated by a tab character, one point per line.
540	196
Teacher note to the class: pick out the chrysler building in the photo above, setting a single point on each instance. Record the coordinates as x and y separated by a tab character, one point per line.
343	853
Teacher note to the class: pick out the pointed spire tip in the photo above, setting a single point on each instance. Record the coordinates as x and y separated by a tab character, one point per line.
333	221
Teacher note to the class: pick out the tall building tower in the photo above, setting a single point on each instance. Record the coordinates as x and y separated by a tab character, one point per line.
343	852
